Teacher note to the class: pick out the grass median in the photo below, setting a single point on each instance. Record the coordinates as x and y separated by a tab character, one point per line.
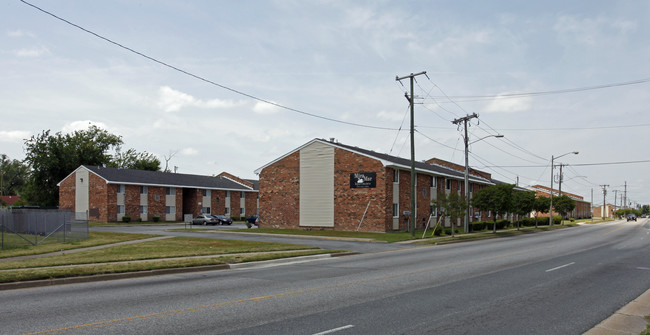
150	255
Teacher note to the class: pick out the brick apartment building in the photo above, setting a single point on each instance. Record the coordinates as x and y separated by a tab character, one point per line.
108	194
582	210
328	185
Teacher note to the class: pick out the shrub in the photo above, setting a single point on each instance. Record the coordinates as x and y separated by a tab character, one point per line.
557	219
437	230
139	220
126	219
477	226
527	222
156	218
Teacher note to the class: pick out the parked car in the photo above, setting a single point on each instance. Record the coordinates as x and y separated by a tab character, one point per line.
631	217
252	219
205	219
223	219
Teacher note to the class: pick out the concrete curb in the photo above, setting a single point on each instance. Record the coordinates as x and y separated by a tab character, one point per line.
332	238
157	272
630	319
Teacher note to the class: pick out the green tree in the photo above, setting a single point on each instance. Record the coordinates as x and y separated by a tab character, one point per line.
134	160
563	205
454	206
523	203
542	205
13	175
495	198
52	157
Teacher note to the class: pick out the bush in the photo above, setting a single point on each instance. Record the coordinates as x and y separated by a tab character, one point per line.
139	220
437	230
156	218
477	226
126	219
557	219
527	222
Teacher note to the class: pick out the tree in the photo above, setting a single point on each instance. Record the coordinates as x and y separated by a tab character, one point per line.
13	175
495	198
454	206
542	205
523	203
134	160
563	205
52	157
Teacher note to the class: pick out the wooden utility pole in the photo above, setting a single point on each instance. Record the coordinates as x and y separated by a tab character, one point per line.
411	99
466	139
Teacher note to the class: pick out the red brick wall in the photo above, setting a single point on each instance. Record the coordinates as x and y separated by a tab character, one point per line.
279	192
97	198
67	193
218	202
132	201
234	204
155	207
111	202
251	203
350	203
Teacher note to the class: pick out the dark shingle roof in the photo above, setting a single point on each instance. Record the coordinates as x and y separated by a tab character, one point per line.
168	179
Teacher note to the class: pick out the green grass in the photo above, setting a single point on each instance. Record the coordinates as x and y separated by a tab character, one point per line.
386	237
96	269
95	239
159	249
647	329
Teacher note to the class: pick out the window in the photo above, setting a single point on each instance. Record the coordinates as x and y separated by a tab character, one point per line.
471	188
143	190
120	188
170	209
241	211
143	209
206	210
242	195
207	193
458	185
433	181
227	194
120	209
395	210
424	191
396	176
170	191
447	184
489	214
227	211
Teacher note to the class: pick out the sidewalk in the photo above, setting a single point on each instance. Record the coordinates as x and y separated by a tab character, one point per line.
628	320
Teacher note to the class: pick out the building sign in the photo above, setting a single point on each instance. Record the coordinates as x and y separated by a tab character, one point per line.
363	180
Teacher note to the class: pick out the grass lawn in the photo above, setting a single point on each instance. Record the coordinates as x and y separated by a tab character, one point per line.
158	252
95	239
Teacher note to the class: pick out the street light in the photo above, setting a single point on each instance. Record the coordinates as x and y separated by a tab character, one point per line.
550	211
466	225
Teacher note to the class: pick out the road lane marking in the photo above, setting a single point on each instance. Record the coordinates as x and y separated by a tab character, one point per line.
334	330
642	268
561	266
611	231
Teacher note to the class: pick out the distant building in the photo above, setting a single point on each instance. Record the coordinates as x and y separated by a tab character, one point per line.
329	185
608	212
108	194
9	200
581	211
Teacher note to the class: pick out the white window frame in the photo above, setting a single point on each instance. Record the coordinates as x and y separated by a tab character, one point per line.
395	210
144	190
170	209
143	209
120	207
170	191
120	189
448	184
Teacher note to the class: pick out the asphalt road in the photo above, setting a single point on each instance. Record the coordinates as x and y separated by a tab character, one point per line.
559	282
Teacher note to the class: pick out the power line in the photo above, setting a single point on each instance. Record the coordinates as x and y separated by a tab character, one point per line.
577	128
202	78
560	91
580	164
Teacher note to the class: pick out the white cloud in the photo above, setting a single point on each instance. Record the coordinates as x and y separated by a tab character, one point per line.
189	152
31	52
515	105
265	108
13	135
19	33
592	31
82	125
390	116
171	100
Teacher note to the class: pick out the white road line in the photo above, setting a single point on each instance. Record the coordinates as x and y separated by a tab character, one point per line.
561	266
642	268
334	330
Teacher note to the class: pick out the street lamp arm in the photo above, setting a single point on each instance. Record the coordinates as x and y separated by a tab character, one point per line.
482	138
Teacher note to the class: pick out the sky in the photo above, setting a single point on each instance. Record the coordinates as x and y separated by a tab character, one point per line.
232	85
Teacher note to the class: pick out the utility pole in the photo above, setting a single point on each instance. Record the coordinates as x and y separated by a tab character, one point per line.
411	99
466	138
604	203
625	196
559	189
615	194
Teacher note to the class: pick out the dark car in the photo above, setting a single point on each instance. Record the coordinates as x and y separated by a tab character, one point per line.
205	219
223	219
631	217
252	219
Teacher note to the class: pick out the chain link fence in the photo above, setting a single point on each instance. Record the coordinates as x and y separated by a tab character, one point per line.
22	227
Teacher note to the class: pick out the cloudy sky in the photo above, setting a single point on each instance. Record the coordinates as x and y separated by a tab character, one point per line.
551	76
